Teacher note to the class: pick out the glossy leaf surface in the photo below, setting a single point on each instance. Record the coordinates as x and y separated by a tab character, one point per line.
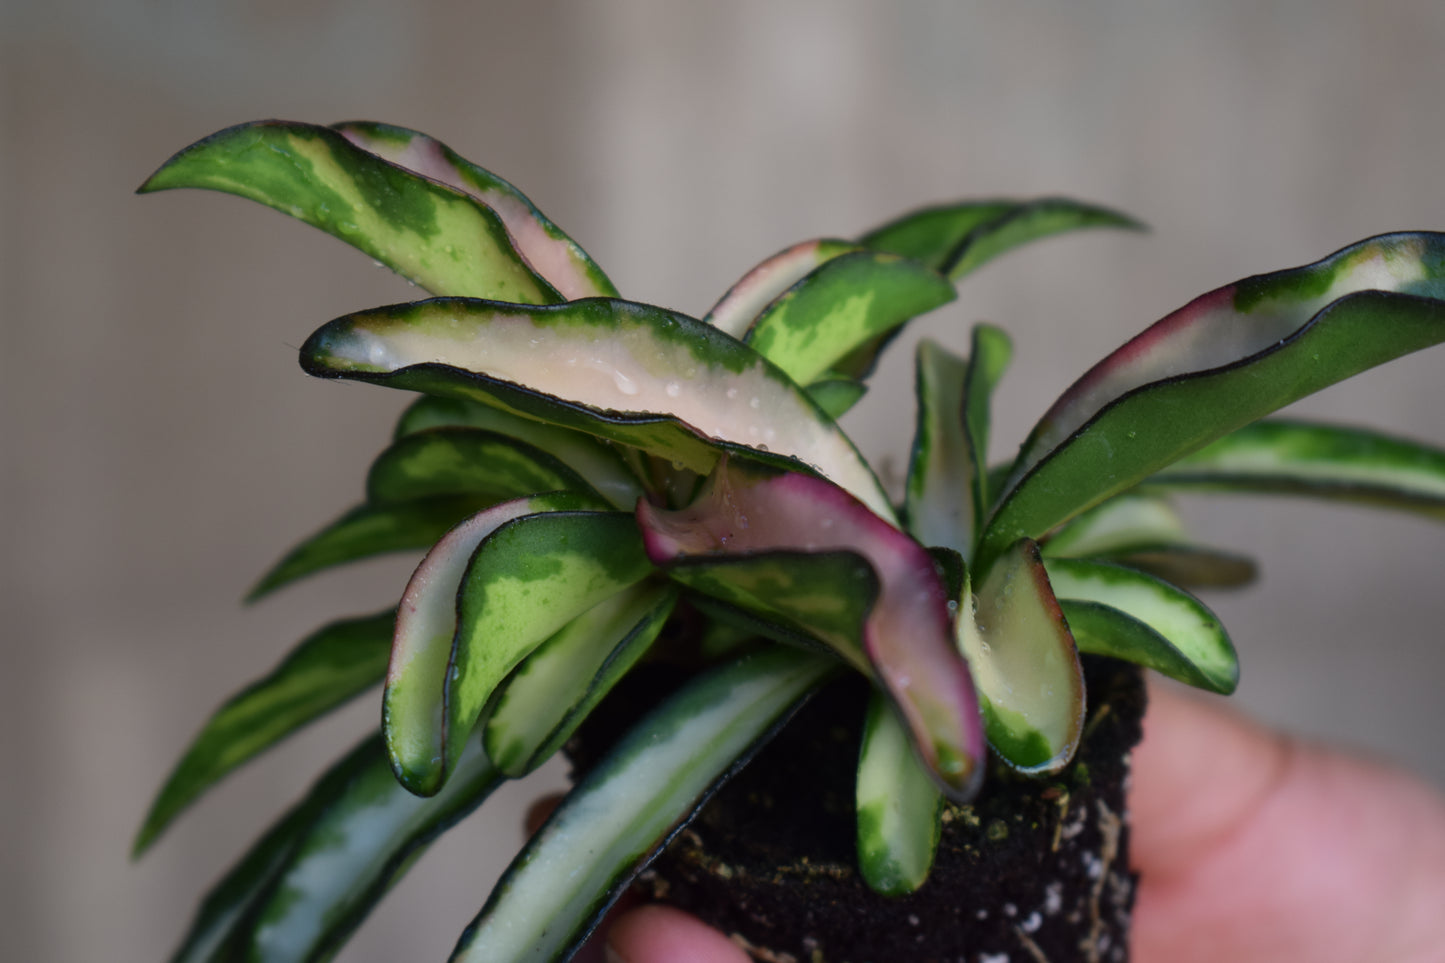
547	250
631	373
1030	682
369	530
1193	633
551	692
329	667
906	636
898	806
627	808
1323	461
442	239
847	302
1221	362
746	299
958	238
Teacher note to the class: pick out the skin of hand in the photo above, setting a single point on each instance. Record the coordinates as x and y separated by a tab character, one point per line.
1251	846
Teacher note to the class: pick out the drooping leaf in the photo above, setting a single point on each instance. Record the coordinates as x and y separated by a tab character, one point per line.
627	808
906	637
413	716
527	581
369	530
1217	364
512	585
1030	682
326	669
1323	461
552	691
1195	647
368	833
465	461
746	299
846	302
1143	531
218	932
631	373
444	240
950	442
595	459
898	806
958	238
309	882
549	251
1191	566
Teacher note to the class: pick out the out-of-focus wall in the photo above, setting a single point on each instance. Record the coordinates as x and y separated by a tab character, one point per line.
161	447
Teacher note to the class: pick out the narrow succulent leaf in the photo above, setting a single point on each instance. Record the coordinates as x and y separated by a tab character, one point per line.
941	463
1032	221
1118	525
1143	531
549	251
1217	372
1326	461
326	669
219	931
631	373
1175	615
898	806
595	459
369	530
955	239
553	690
950	442
1030	682
932	234
837	395
746	299
369	831
845	303
440	238
906	636
465	461
1190	566
627	808
989	356
426	624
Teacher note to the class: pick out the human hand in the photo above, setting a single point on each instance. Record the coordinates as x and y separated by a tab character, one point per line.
1251	847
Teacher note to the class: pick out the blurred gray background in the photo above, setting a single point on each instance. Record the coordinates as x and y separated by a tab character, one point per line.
161	446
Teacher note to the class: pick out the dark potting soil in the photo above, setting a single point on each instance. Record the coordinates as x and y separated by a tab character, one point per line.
1033	870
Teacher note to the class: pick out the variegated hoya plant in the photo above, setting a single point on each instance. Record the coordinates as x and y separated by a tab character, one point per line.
582	470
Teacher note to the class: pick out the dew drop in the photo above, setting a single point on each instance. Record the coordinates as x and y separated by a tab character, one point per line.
732	393
624	384
673	389
755	402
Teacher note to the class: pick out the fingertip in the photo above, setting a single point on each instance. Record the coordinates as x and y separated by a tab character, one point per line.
1199	770
664	934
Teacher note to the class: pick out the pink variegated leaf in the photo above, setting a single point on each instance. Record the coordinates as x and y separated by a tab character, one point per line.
904	637
549	251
